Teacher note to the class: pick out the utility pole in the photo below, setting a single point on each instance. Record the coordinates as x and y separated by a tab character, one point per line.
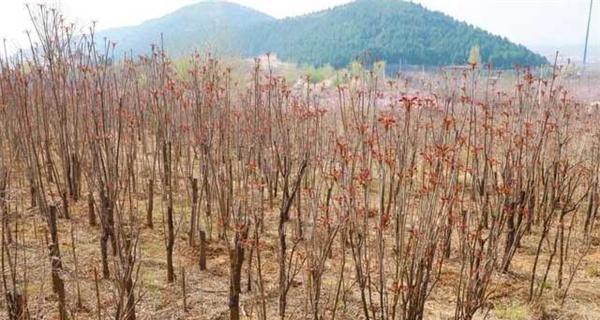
587	34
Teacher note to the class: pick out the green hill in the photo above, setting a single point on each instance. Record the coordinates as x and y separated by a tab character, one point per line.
396	31
208	24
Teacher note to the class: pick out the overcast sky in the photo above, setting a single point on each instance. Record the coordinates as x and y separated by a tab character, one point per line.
531	22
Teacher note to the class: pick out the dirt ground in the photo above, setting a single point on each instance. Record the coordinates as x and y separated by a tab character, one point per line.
206	291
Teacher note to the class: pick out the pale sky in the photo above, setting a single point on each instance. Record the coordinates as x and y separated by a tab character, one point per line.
531	22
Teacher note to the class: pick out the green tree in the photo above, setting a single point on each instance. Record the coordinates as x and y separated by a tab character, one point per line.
474	55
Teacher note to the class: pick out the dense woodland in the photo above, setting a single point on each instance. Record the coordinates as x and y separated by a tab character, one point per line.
395	31
132	191
398	32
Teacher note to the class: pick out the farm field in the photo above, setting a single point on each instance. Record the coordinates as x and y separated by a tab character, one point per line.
210	188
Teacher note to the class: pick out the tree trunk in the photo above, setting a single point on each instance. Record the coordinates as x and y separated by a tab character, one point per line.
150	204
91	211
202	260
57	282
170	245
128	283
65	208
236	259
194	217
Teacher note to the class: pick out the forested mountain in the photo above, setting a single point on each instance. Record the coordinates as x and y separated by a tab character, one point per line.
391	30
396	31
215	25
